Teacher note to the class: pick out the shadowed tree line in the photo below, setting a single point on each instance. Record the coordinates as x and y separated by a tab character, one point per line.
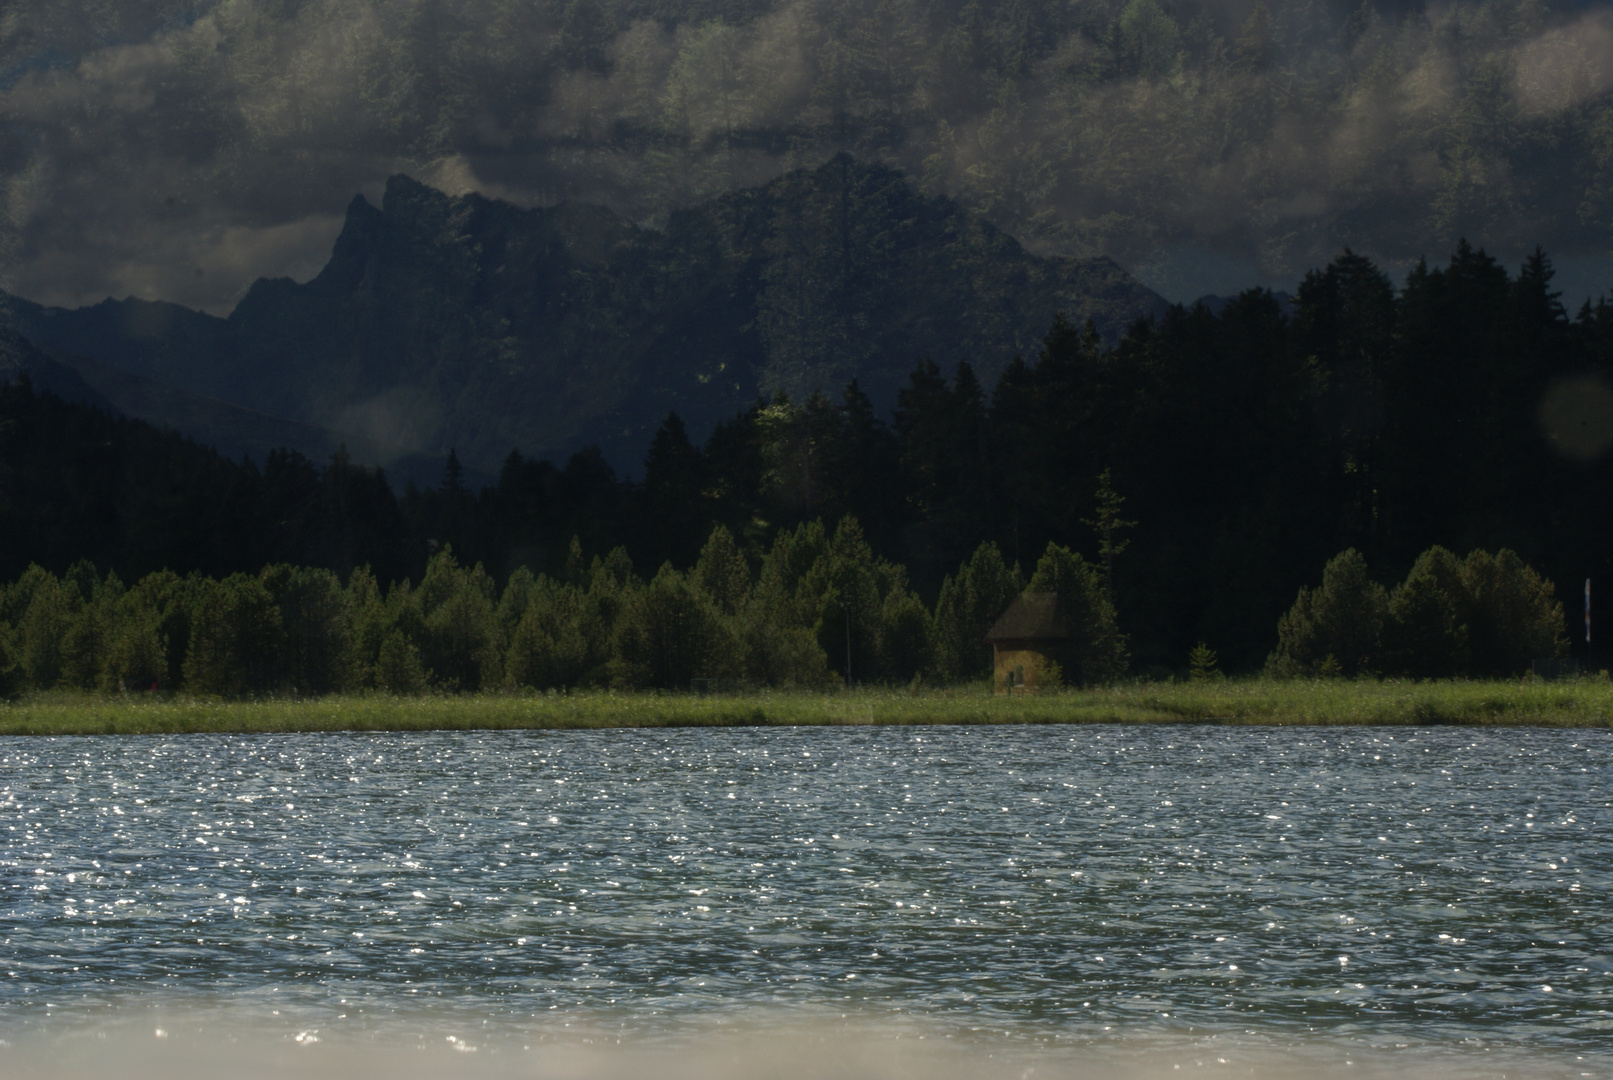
1483	616
1205	466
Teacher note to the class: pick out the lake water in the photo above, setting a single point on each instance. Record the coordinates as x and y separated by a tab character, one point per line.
1075	891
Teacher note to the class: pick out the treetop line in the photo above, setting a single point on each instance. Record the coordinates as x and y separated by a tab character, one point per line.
817	597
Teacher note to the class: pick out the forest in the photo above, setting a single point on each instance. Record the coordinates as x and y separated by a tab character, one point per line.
302	632
1204	468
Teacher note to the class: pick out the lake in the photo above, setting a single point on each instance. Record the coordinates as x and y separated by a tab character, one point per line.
1055	894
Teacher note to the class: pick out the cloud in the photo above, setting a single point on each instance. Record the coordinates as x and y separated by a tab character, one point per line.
395	423
1566	66
145	141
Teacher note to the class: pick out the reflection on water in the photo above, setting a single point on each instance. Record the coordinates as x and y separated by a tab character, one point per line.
1047	888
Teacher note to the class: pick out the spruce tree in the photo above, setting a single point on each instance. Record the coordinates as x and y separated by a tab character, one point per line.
722	573
671	633
1099	648
1513	614
1426	635
236	640
1338	626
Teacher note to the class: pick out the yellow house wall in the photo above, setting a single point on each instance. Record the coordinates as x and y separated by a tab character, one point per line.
1012	659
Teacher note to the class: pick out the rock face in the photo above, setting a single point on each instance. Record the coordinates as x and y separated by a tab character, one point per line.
467	322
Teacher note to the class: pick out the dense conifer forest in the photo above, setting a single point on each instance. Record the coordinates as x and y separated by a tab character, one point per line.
1192	479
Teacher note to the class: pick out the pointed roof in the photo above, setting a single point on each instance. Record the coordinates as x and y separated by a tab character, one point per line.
1031	616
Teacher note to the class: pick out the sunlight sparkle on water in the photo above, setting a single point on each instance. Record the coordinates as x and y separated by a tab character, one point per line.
1047	888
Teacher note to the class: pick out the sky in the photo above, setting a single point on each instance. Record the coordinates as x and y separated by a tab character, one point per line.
180	149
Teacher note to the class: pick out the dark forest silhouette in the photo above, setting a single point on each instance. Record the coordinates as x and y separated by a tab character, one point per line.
1207	465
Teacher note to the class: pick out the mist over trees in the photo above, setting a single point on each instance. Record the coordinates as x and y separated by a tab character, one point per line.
180	148
1204	467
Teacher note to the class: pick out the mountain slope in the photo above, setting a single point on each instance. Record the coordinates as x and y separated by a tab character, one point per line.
232	430
19	357
467	322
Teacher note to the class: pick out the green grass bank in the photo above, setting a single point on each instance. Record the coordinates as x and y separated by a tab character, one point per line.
1583	703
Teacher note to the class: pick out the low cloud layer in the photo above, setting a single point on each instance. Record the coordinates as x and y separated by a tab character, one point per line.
178	150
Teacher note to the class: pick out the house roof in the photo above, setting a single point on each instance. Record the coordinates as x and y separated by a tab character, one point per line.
1029	617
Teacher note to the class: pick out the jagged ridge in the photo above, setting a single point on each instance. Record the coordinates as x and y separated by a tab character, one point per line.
468	322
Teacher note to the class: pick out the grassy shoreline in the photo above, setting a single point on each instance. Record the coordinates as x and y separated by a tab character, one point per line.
1581	703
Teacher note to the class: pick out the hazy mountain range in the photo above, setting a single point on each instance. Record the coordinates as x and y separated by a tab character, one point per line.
468	323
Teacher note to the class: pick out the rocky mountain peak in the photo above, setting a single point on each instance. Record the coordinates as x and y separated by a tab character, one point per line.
461	321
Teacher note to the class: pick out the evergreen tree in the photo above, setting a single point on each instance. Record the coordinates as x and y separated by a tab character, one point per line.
780	645
905	636
585	34
1338	626
559	642
1202	663
842	596
398	667
165	604
736	465
944	466
320	652
611	586
788	657
1513	614
137	658
862	467
11	676
236	640
1099	648
722	573
459	635
1426	633
672	501
1254	439
1109	525
49	615
371	624
1150	40
968	606
671	632
520	590
87	644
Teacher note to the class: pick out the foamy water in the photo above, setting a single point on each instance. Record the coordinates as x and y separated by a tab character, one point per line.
805	902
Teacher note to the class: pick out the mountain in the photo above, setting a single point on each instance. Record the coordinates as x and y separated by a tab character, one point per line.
465	322
233	431
20	358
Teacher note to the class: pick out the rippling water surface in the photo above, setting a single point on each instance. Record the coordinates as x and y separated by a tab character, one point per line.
1429	887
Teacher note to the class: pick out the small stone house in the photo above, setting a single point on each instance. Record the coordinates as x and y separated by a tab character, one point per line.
1032	645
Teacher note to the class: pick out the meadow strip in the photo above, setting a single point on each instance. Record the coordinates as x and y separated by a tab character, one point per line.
1584	703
